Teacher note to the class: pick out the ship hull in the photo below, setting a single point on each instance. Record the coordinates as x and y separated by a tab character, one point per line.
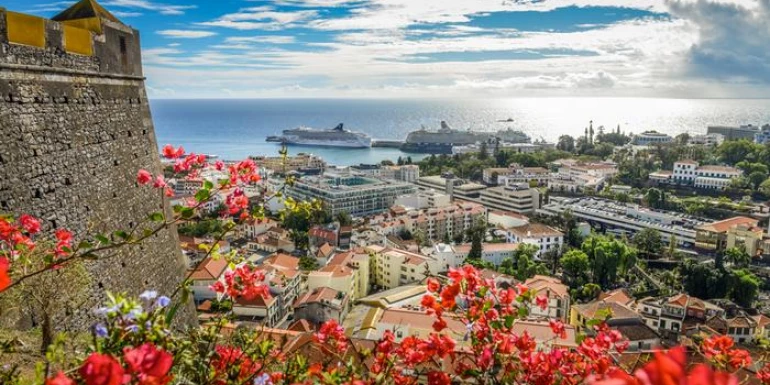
321	143
427	148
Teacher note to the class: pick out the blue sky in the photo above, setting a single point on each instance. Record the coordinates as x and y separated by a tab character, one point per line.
447	48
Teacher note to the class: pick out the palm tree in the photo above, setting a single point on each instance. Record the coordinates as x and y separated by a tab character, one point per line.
737	256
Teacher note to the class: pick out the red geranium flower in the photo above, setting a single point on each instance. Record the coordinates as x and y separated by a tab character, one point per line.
5	279
143	177
30	223
150	364
59	379
102	369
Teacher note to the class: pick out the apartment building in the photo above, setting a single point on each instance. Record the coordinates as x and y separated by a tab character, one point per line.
423	199
322	304
393	267
454	187
453	256
435	223
517	173
546	238
734	133
409	173
347	272
355	194
517	198
283	278
690	173
301	162
713	237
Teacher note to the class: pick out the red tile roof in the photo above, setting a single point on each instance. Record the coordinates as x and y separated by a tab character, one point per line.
210	269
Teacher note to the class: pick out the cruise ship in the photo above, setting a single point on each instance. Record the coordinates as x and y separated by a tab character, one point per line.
441	141
335	137
513	136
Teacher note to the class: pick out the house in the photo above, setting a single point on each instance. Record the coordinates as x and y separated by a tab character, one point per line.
322	304
540	330
557	294
741	328
260	311
206	274
453	256
763	326
319	235
615	309
671	315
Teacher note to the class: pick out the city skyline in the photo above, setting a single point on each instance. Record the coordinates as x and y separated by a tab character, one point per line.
400	48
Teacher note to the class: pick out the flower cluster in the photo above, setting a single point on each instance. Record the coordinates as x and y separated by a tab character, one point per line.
17	243
244	282
669	368
720	352
142	365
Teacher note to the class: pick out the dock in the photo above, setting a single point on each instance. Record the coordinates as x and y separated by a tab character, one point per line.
387	143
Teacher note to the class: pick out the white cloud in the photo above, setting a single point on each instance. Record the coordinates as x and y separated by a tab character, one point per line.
164	9
185	33
269	39
261	18
126	14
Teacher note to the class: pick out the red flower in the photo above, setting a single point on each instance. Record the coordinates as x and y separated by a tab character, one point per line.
557	327
59	379
29	223
159	182
704	375
63	235
666	369
143	177
438	378
433	285
168	192
170	153
439	324
5	279
102	369
542	302
150	364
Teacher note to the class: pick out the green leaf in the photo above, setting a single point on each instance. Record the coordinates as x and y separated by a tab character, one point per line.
208	185
120	234
187	213
85	245
102	239
157	217
202	195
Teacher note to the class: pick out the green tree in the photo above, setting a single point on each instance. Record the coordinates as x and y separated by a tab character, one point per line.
308	263
344	218
764	187
483	151
704	281
575	266
744	287
756	178
566	143
734	151
671	252
737	256
648	242
654	197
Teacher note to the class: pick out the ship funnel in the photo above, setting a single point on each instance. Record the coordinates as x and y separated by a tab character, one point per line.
444	126
339	127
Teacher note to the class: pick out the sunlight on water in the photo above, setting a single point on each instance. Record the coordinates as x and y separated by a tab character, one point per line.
237	128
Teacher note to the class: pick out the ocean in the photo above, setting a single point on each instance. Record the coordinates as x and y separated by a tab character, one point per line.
235	129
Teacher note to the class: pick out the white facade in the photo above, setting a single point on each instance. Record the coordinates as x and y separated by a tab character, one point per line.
706	139
763	136
707	177
516	198
423	200
544	237
651	137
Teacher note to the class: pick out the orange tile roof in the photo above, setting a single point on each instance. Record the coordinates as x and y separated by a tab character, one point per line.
318	294
210	269
541	332
618	296
724	225
547	285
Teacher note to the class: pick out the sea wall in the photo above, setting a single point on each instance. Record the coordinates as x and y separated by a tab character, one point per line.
76	127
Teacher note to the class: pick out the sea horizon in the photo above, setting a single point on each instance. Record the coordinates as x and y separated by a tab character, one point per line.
236	128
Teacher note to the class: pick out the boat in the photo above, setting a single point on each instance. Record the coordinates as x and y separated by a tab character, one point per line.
440	141
509	120
513	136
335	137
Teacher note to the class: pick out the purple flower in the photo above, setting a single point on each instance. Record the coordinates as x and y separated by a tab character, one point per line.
132	328
100	330
164	301
263	379
149	295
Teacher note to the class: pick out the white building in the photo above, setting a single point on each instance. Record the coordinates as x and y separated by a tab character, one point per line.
557	294
689	172
651	137
454	255
393	267
763	136
519	198
519	174
706	140
506	219
546	238
423	199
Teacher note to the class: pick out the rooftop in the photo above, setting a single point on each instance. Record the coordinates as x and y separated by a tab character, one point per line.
724	225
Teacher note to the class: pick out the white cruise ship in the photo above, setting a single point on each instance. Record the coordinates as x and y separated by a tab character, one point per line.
336	137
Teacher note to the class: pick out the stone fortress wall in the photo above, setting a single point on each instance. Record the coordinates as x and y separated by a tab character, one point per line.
76	127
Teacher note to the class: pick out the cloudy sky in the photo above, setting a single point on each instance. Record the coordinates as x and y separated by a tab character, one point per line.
447	48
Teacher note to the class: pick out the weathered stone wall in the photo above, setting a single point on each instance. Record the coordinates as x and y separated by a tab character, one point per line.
73	137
